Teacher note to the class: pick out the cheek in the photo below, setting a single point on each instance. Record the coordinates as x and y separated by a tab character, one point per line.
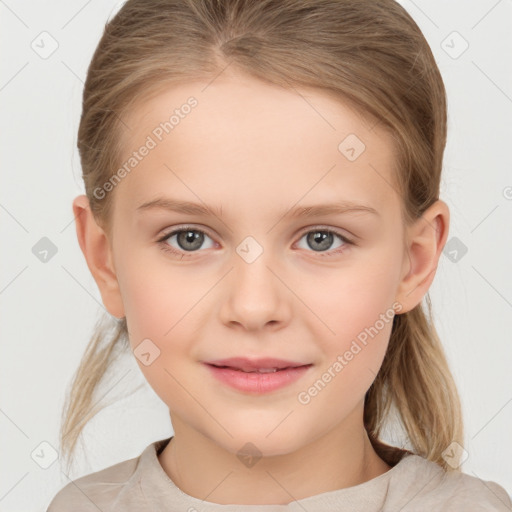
159	334
352	299
362	320
163	308
355	305
159	297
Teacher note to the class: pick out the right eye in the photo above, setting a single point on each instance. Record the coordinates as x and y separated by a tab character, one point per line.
188	240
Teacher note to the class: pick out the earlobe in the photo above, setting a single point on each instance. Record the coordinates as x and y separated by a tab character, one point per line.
425	241
95	246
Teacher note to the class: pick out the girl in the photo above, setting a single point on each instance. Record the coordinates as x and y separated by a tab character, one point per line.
262	216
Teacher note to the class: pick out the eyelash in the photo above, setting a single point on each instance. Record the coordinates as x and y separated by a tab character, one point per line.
167	248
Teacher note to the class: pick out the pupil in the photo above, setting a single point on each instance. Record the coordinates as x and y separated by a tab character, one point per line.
192	238
322	238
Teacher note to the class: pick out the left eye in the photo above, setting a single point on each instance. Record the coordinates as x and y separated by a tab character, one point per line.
190	240
322	239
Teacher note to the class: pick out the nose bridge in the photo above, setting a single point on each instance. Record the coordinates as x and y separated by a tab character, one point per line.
252	274
255	296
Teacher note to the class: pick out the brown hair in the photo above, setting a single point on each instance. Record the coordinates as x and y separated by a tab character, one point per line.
369	54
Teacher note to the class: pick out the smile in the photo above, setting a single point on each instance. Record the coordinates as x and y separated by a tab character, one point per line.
257	380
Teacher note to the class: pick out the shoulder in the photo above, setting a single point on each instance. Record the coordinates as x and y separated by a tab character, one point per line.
101	489
430	485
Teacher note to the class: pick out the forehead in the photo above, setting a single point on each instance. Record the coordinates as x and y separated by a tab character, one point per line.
247	142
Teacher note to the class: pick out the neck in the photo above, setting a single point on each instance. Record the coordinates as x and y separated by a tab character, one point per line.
342	458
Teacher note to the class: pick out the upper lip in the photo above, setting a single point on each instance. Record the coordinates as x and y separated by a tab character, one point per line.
244	363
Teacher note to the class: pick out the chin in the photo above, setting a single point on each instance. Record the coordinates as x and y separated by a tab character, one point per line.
258	443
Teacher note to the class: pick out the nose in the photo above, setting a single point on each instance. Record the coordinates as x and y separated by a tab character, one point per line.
254	296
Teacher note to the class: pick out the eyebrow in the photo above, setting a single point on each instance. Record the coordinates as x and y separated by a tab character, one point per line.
342	206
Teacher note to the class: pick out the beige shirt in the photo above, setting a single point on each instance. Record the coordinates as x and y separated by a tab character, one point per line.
414	484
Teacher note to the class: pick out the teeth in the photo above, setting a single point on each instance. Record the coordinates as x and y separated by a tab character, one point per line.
260	370
253	370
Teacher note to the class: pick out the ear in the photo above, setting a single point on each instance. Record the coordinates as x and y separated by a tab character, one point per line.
424	243
96	248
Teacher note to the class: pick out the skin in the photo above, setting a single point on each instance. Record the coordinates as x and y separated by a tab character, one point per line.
256	151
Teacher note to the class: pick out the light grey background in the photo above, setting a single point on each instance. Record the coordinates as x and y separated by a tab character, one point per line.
49	309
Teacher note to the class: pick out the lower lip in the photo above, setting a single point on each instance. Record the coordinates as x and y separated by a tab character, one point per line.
259	383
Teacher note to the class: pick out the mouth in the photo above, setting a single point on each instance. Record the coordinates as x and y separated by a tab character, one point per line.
261	365
257	376
257	370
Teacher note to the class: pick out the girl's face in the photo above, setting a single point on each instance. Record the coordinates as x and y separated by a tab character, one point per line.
258	276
